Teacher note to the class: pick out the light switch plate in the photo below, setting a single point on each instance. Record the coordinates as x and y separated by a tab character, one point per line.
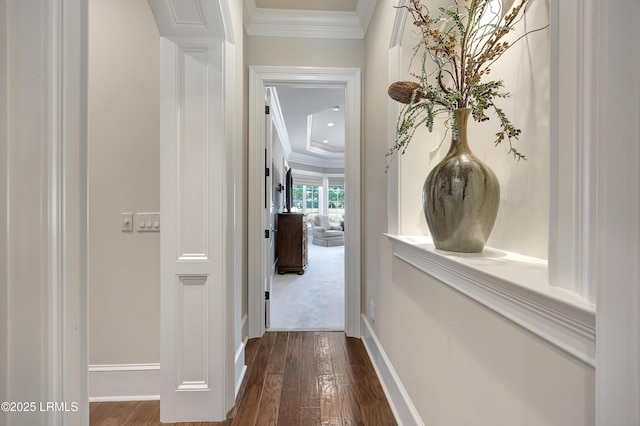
148	222
127	222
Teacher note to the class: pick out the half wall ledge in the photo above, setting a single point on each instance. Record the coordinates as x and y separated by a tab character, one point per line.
515	286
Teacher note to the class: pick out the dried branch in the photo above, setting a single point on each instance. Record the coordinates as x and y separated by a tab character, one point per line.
462	41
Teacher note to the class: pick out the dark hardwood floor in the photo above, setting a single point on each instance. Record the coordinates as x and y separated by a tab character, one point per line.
293	378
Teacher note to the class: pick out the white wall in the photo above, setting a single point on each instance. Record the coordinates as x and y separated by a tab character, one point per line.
459	362
124	268
304	52
618	213
463	364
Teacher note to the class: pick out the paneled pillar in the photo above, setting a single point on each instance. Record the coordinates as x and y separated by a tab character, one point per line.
197	357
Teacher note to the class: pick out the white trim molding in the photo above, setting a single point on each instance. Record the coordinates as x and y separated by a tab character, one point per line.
240	367
305	24
278	121
401	405
124	382
44	196
327	24
573	169
309	160
496	279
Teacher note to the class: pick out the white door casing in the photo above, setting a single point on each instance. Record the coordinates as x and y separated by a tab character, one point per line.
267	215
43	203
259	78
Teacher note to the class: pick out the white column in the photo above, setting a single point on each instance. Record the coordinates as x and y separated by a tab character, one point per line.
322	206
324	196
191	158
304	198
197	355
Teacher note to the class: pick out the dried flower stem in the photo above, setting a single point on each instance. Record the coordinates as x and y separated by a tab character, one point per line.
463	41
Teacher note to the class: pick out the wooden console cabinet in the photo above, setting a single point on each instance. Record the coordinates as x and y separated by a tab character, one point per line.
292	243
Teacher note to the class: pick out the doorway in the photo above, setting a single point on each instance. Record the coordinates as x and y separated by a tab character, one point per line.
259	79
305	129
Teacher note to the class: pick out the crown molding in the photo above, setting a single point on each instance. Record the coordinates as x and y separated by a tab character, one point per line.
324	148
278	121
309	160
364	11
308	23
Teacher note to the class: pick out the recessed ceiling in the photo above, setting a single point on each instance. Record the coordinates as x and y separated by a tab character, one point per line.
337	5
325	131
308	113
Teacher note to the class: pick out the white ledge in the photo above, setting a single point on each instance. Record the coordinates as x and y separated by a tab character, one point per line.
512	285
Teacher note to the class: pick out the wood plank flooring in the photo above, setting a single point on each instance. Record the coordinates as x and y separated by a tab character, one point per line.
293	378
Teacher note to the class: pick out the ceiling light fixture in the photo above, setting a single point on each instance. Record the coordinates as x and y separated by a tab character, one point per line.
325	141
336	108
330	124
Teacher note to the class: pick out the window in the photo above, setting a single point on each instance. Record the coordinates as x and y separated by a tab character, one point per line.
336	204
306	199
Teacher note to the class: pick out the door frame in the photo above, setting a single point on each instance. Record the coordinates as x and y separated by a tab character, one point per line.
259	78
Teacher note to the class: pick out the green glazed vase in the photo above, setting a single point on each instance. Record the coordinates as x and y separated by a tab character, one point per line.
460	196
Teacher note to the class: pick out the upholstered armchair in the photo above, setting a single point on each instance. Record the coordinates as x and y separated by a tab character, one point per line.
326	234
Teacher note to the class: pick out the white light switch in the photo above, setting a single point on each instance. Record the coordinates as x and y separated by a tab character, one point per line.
148	222
127	222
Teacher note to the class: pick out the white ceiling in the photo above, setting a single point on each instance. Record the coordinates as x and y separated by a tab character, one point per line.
306	112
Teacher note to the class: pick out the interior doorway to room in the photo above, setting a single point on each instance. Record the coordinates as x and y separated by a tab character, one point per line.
306	138
262	211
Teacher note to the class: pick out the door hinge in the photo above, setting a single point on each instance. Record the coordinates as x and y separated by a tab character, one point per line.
266	172
267	110
266	233
266	295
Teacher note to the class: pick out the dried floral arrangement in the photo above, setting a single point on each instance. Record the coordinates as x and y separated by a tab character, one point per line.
457	47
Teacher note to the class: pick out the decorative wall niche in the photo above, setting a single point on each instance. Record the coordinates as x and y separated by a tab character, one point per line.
537	242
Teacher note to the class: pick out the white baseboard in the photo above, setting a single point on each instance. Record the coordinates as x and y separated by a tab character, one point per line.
401	405
241	368
244	326
124	382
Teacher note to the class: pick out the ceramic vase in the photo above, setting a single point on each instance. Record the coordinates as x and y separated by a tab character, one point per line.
461	195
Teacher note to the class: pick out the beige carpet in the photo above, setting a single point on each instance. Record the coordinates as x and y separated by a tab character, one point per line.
315	300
